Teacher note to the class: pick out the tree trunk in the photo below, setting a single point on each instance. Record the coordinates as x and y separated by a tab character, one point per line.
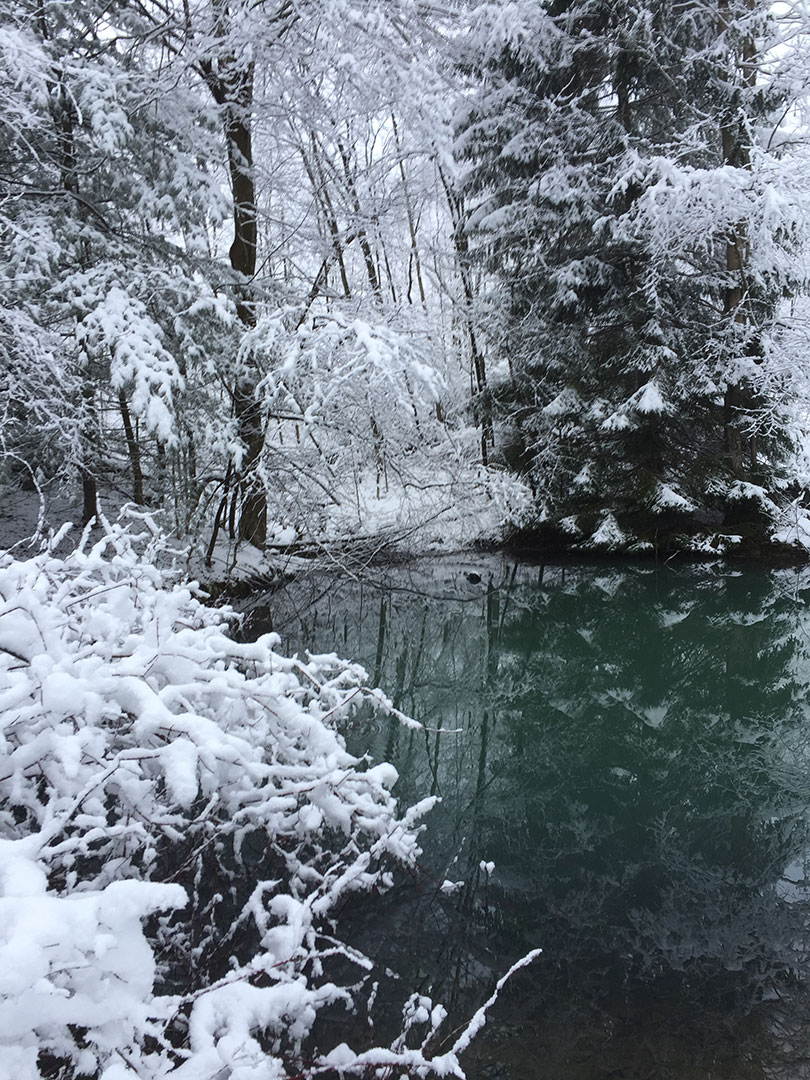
481	409
133	449
320	191
414	259
231	85
64	118
359	230
89	449
737	152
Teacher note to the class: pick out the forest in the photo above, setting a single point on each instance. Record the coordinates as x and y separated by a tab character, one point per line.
308	278
317	273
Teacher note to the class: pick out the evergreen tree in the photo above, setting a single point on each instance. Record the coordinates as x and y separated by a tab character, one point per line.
627	209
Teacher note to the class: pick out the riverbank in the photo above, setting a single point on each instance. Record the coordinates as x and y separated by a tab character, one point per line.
476	527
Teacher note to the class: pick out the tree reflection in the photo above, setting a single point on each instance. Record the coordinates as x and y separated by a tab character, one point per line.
633	758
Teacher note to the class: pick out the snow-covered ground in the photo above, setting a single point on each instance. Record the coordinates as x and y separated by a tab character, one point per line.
438	512
441	510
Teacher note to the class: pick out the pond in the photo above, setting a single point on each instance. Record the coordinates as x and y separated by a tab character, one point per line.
623	759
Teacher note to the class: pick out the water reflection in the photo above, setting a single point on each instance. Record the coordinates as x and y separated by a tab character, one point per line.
633	758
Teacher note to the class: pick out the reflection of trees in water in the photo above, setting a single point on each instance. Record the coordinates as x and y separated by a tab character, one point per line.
634	762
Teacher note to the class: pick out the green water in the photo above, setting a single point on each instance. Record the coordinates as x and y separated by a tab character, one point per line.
631	748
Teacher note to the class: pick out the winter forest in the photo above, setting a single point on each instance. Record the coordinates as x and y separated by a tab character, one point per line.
307	278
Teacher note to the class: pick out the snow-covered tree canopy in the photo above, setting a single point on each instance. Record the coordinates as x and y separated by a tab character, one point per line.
581	222
172	178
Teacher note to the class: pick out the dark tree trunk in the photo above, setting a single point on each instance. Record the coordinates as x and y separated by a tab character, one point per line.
359	230
320	191
64	118
231	85
133	449
740	449
414	260
89	498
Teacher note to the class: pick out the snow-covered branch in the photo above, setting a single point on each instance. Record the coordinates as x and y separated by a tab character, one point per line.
179	819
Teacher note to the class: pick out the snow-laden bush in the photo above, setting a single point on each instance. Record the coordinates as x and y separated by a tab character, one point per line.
179	820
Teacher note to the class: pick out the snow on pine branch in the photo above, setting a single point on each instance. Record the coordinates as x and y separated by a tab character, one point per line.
179	820
120	326
687	209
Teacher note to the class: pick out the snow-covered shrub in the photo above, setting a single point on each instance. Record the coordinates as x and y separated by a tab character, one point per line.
179	820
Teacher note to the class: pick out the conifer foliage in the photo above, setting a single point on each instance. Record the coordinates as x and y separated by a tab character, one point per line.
632	209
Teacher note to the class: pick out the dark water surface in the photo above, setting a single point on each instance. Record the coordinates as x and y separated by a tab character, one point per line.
633	755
